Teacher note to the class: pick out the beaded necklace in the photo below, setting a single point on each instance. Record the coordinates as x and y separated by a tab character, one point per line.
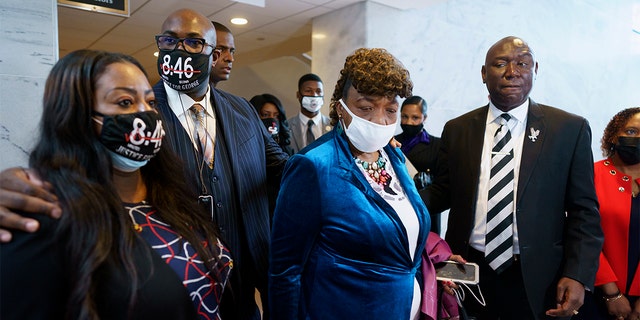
376	170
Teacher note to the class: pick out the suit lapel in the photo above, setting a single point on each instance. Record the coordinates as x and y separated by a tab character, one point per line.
531	146
326	124
295	129
225	120
475	136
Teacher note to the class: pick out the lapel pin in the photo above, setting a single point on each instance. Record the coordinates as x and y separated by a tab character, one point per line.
534	134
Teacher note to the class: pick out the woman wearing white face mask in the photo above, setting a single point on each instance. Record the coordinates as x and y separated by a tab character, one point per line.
349	226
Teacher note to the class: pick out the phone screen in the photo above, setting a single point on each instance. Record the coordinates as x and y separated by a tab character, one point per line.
457	272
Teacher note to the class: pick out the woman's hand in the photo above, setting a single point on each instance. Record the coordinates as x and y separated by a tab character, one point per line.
619	308
448	286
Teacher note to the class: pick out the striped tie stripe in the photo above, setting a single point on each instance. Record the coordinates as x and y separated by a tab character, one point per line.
499	238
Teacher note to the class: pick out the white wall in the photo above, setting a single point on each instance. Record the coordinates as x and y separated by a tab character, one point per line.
28	33
588	51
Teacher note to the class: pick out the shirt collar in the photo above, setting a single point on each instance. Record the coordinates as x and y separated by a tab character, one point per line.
304	119
518	113
181	102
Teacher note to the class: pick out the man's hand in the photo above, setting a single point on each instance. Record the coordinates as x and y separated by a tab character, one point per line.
570	297
21	189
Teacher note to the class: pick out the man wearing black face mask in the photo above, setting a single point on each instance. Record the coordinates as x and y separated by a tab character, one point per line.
233	181
419	146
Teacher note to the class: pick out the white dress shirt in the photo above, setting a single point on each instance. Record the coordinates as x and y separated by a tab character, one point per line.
180	103
317	126
517	126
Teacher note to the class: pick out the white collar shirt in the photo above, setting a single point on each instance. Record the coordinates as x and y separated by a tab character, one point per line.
180	103
317	126
517	125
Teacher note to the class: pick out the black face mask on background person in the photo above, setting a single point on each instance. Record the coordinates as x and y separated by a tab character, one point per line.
273	127
628	149
411	130
135	136
183	71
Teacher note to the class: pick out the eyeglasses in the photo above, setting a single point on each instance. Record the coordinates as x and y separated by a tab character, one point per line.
191	45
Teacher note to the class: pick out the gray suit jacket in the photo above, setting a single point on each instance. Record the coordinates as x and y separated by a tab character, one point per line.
298	132
557	209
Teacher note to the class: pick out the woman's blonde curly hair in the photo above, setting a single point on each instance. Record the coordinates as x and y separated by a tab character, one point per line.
371	71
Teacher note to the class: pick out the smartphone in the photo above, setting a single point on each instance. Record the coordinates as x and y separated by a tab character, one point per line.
206	201
458	272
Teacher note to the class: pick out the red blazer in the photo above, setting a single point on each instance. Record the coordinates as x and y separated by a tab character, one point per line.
614	194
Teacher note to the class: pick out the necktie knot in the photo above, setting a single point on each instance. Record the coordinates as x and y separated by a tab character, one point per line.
198	111
504	121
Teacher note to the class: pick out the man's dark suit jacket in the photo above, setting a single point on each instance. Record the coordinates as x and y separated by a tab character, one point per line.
255	159
557	210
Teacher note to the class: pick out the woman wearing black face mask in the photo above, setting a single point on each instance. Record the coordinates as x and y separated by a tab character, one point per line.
272	113
420	147
131	243
617	180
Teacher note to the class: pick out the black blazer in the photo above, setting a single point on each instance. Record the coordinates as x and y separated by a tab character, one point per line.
557	210
256	161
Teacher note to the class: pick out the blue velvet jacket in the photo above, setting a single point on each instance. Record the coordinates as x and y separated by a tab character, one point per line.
338	249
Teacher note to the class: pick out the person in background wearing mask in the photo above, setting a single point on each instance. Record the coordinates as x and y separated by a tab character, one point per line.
273	116
120	250
271	112
349	227
309	124
617	179
420	148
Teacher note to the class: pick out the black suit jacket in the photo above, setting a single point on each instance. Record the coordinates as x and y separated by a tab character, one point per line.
557	210
256	160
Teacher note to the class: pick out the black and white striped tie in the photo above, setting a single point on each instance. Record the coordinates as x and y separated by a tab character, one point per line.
499	238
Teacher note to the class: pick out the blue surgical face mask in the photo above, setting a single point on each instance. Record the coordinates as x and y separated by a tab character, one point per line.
124	164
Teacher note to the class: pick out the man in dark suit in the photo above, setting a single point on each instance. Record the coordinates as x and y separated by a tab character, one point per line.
536	236
233	184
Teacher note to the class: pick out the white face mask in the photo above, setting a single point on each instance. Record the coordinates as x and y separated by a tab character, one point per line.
365	135
125	164
312	103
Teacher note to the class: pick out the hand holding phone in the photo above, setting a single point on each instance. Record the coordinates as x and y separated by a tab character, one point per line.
458	272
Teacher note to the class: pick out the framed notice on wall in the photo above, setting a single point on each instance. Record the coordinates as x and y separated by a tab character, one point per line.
116	7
